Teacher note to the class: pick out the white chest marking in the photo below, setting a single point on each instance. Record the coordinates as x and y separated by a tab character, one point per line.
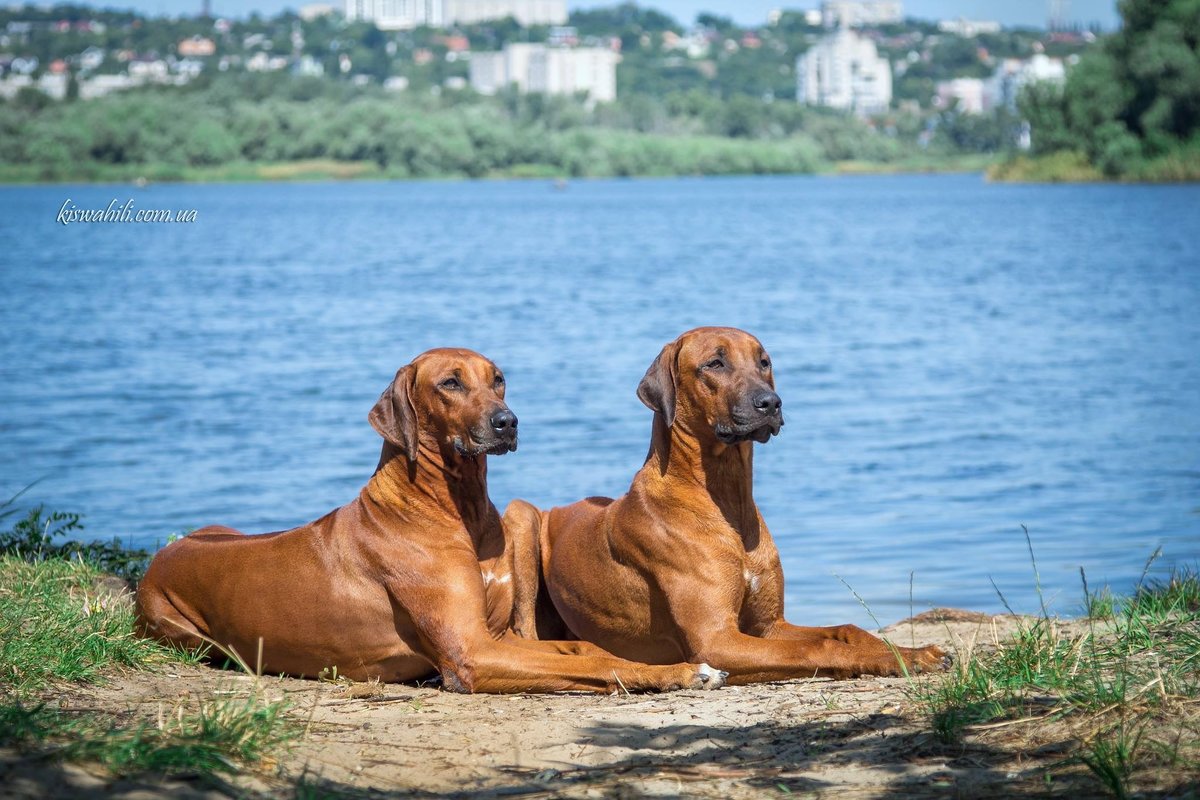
489	578
752	580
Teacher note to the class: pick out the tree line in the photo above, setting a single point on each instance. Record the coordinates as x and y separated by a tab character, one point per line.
269	118
1131	107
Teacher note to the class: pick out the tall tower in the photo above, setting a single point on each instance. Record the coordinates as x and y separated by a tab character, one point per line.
1059	12
206	9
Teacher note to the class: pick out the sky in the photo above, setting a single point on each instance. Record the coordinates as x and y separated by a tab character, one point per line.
747	12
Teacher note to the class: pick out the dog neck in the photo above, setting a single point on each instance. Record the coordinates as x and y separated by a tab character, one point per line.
680	458
433	485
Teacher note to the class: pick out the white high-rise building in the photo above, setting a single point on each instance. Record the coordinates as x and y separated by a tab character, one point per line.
526	12
549	70
844	70
397	14
852	13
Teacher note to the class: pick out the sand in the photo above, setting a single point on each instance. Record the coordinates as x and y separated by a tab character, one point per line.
859	738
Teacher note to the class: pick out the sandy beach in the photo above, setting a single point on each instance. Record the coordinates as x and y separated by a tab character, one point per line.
858	738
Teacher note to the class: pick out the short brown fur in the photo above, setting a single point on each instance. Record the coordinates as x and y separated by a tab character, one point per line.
414	576
683	566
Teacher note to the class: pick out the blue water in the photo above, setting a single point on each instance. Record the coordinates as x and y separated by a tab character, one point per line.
956	359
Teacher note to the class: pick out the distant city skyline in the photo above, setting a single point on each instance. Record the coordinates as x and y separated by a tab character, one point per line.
1031	13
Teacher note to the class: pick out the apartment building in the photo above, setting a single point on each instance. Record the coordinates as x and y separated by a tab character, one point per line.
844	70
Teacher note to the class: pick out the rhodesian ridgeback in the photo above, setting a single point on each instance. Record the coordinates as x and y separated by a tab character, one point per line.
414	576
683	567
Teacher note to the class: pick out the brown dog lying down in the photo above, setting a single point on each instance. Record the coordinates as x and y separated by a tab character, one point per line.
415	575
682	567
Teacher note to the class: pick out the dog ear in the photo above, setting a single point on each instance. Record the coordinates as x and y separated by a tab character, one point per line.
394	416
657	389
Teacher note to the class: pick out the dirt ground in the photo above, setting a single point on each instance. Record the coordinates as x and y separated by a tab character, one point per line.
858	738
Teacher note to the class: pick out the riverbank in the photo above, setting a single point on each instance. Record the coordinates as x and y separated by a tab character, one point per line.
321	170
1063	167
1033	706
1069	166
865	737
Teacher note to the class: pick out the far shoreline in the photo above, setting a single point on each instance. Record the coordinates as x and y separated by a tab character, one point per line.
330	171
1055	169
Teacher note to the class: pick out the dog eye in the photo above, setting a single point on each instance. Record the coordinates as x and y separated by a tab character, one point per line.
499	381
453	384
765	364
716	363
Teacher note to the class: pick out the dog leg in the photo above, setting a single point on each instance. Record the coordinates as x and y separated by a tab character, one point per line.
916	659
503	668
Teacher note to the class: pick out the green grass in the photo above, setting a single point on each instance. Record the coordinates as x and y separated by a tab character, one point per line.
1066	166
217	736
1112	757
56	625
1100	604
1126	685
65	620
1181	164
924	163
56	628
1163	600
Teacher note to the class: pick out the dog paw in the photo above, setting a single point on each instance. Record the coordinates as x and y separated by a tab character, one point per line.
711	678
930	658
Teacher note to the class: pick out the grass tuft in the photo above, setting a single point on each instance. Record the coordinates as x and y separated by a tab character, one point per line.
1111	757
1125	686
1099	604
60	622
65	620
1176	596
218	736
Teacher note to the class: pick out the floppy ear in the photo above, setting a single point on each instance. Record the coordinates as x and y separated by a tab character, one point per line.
394	416
657	389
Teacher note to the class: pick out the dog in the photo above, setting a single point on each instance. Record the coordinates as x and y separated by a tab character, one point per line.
415	576
683	567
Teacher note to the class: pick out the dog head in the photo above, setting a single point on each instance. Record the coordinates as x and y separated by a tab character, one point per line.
717	380
451	398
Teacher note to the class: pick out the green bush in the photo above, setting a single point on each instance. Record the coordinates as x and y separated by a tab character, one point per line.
1137	97
33	538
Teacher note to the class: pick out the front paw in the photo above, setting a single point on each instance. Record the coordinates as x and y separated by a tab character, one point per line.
709	678
930	658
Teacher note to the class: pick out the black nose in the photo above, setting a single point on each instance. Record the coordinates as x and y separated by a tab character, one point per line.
504	422
768	403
